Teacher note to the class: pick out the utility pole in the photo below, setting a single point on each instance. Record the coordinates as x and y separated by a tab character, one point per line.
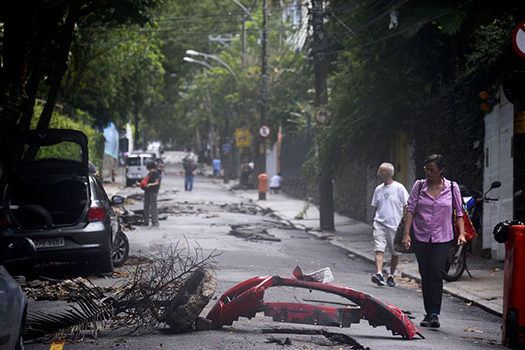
326	200
243	42
264	85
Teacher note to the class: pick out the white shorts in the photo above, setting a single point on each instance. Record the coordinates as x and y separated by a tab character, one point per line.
383	238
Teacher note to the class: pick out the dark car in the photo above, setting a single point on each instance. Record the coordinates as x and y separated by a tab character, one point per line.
13	302
52	198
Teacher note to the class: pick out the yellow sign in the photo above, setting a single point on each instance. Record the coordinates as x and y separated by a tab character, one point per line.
519	122
242	137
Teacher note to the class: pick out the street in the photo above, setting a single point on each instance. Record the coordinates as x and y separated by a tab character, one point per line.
202	219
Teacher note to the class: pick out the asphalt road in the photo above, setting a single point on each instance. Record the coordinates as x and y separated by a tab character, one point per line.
202	221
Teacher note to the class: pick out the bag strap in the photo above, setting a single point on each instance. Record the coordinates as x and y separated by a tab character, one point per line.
420	185
452	192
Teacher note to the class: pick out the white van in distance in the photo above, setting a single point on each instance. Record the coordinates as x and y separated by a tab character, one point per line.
136	167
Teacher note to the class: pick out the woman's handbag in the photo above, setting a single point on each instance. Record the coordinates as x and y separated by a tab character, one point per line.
144	183
470	231
398	239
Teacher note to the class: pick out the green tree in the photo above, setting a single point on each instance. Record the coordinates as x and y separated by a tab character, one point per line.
36	38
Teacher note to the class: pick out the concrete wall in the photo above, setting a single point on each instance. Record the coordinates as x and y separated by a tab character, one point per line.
498	166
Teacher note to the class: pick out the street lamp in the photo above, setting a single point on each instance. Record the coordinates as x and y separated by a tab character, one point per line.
253	19
192	60
197	53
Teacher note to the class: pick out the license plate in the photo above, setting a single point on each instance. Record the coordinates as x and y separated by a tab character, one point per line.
49	242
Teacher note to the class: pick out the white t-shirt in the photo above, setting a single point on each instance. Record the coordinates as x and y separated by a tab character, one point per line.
389	201
275	181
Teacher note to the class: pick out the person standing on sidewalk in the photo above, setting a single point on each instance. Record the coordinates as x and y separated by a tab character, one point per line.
388	203
429	213
150	195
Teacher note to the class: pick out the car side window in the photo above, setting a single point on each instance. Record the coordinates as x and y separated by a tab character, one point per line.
97	190
101	191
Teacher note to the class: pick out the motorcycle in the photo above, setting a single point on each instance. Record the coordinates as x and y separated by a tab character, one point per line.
456	263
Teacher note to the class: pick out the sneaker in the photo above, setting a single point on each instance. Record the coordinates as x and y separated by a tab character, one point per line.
425	322
390	281
434	321
155	224
378	279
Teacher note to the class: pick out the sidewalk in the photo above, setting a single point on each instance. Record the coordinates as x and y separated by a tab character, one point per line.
484	289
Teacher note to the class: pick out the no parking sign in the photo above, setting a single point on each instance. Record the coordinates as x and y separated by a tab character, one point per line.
518	39
264	131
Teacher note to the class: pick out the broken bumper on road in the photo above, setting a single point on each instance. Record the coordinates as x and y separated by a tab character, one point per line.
246	300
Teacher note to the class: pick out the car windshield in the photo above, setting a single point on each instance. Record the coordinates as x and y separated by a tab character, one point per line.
133	161
61	150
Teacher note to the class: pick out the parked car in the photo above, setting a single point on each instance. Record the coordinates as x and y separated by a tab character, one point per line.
13	302
136	166
52	198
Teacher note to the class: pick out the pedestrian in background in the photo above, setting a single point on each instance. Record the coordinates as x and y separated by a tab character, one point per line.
275	183
189	171
388	203
429	213
151	190
216	167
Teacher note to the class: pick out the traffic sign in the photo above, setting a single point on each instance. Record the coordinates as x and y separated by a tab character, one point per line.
264	131
242	137
518	39
225	147
323	116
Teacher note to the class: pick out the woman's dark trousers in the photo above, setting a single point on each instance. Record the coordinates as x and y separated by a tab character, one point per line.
431	258
150	207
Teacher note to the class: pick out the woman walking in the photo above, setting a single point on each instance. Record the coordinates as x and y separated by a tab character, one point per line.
430	214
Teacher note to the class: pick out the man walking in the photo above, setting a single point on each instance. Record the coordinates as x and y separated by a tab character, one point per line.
189	172
389	201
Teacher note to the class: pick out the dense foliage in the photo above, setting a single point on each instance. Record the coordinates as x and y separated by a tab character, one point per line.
418	74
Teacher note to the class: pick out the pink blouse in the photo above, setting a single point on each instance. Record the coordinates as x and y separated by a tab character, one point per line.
433	217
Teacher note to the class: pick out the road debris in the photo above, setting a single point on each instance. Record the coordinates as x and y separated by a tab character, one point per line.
252	233
246	300
473	330
177	279
182	312
323	275
51	289
333	337
135	217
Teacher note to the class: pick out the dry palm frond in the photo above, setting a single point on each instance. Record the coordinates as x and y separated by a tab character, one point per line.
91	312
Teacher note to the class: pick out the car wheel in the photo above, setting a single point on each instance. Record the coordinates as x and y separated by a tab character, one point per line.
120	249
129	183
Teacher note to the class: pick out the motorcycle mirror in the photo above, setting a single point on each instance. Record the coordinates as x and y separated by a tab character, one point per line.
495	184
